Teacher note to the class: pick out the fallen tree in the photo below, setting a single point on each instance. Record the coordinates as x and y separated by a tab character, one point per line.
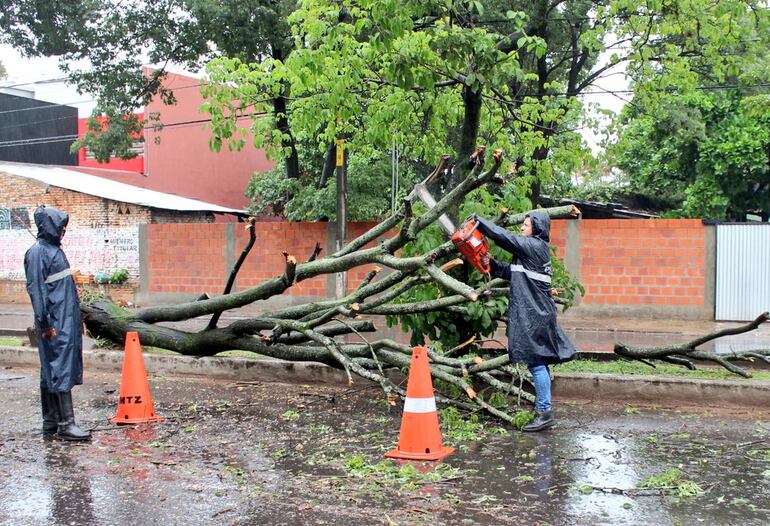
318	331
685	354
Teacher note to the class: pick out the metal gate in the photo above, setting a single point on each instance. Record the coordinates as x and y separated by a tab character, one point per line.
743	271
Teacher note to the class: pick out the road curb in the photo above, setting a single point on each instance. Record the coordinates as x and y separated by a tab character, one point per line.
566	386
651	389
227	368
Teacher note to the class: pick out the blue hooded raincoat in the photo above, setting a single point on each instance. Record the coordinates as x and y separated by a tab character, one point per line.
534	337
55	303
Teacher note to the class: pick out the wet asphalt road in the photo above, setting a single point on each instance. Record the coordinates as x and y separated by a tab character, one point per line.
281	454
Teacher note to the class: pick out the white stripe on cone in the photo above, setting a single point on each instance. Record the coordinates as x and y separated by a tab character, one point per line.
420	405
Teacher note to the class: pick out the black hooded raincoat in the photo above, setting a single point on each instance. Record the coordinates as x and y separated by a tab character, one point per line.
55	303
534	337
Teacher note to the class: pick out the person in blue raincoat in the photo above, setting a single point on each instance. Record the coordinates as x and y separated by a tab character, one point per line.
58	326
534	337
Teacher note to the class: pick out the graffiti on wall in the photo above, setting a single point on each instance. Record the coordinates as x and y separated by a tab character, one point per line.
93	250
15	243
89	250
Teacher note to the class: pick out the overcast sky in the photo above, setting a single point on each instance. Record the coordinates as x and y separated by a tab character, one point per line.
23	69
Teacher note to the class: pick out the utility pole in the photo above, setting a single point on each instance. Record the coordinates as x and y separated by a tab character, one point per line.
342	213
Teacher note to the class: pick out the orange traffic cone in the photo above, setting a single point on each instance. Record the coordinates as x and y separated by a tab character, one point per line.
135	402
420	436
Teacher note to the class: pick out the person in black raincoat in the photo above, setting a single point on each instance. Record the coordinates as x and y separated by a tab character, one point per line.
58	326
534	337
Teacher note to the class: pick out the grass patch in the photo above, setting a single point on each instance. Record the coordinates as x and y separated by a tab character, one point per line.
626	367
10	341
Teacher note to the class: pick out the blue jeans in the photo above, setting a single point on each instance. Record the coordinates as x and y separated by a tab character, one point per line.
541	377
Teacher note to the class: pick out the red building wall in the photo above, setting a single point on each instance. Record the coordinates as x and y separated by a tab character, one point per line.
177	158
182	163
130	165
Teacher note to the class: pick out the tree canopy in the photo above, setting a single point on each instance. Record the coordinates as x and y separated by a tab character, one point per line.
430	76
697	129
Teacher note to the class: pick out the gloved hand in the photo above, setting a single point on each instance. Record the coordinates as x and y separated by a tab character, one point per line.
485	260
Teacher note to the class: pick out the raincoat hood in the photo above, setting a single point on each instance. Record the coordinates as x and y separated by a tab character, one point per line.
50	223
541	226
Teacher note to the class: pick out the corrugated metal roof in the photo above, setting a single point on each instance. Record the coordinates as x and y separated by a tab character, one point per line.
100	187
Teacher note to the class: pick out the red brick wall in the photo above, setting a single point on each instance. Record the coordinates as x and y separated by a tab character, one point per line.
192	258
559	236
356	275
643	261
622	262
266	260
186	258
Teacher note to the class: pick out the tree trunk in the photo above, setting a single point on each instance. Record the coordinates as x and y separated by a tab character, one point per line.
282	122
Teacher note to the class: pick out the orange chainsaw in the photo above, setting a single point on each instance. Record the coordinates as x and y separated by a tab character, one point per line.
467	239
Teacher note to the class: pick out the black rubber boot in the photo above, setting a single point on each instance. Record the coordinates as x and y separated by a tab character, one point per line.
68	429
50	411
542	421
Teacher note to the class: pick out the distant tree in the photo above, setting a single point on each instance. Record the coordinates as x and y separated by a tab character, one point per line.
710	152
699	132
3	72
442	76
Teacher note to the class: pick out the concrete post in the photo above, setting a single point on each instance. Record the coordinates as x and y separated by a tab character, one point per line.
572	251
230	254
144	266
